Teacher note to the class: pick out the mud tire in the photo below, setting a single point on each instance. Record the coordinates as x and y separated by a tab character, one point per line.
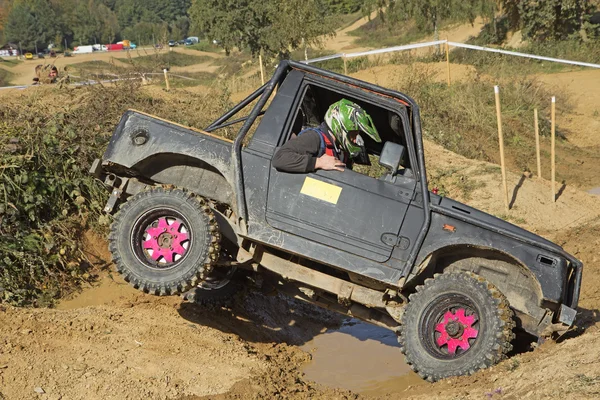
216	288
495	323
125	242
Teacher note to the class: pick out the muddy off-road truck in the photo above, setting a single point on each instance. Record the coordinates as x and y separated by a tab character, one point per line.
455	283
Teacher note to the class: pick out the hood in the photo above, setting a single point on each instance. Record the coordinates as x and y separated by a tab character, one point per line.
493	222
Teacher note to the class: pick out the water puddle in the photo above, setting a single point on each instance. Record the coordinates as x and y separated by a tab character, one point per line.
360	357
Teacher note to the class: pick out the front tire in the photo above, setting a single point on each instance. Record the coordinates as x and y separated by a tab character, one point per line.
164	240
455	324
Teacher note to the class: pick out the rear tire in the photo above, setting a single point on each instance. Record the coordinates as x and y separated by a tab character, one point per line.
163	241
217	288
455	324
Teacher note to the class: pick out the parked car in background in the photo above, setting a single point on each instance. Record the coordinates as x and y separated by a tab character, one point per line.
172	43
188	42
181	42
40	55
52	53
193	39
114	47
28	56
83	49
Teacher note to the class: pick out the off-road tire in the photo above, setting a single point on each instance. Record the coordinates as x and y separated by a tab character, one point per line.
494	322
217	291
128	232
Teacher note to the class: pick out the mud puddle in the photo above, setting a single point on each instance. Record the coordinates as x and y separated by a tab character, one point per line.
360	357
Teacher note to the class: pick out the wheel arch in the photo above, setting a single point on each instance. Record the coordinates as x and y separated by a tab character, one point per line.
194	174
517	282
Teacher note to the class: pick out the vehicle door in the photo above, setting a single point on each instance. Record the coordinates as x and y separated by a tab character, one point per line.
356	213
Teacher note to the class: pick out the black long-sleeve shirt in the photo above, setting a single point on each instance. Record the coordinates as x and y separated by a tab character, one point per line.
299	154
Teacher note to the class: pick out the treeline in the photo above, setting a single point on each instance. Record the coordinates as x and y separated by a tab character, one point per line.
539	20
80	22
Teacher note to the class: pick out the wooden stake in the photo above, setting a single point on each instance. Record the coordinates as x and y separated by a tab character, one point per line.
448	61
262	72
167	79
537	142
345	64
553	153
501	141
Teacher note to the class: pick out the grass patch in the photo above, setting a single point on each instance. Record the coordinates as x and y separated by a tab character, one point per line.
205	45
96	70
462	117
160	61
5	77
188	79
9	62
378	34
500	65
234	63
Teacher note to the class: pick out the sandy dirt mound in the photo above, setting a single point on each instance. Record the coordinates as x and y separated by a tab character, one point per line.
479	184
583	123
342	42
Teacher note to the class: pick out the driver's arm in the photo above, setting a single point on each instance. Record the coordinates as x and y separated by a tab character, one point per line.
299	154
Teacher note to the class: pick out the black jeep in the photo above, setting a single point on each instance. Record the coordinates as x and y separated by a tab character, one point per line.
455	283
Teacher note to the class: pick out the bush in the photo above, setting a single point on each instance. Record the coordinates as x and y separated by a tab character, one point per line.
49	138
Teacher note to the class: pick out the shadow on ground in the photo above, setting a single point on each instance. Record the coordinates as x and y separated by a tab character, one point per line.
255	316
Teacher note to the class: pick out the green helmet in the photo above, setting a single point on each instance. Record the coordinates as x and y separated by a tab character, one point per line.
345	116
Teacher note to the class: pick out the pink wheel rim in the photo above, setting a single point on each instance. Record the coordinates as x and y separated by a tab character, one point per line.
455	331
166	242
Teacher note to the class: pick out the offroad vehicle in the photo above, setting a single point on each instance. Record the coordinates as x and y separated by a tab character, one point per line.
455	283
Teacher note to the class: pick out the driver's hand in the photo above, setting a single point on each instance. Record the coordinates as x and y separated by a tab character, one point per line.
329	163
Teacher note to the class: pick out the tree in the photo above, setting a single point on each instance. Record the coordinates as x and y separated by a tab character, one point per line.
271	26
554	19
32	23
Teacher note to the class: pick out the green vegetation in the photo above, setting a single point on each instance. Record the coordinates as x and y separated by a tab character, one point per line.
5	77
204	45
271	27
159	61
10	62
188	79
48	139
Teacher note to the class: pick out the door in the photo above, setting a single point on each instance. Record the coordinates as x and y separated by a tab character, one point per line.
347	210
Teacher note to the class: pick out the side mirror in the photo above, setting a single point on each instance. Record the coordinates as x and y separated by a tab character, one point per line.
391	156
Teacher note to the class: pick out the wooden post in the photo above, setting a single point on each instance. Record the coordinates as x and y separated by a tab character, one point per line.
262	72
448	61
167	79
537	143
345	64
553	154
501	141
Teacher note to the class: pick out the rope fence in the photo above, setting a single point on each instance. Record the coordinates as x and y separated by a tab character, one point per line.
452	44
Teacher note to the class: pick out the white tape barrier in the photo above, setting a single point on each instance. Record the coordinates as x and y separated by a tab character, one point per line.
515	53
396	48
453	44
324	58
378	51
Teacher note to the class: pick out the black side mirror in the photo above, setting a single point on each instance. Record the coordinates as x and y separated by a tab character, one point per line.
391	156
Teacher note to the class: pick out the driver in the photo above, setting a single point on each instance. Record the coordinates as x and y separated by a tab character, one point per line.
330	146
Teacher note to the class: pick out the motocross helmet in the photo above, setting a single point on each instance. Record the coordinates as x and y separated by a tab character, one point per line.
344	116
